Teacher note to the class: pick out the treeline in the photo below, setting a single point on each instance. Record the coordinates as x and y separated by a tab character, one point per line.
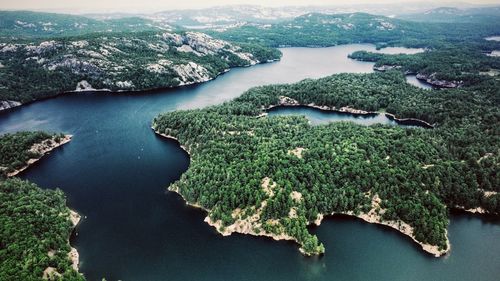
419	174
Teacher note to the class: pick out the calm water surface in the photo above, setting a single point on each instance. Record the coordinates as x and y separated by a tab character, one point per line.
400	50
319	117
115	173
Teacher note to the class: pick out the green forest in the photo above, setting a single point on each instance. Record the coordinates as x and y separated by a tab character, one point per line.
34	222
15	149
34	232
419	174
462	62
32	69
322	30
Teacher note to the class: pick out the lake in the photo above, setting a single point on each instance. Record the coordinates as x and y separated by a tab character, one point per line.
115	172
319	117
400	50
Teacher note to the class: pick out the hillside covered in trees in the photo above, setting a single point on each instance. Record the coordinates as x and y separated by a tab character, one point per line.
17	149
27	24
35	224
118	62
321	30
276	175
35	227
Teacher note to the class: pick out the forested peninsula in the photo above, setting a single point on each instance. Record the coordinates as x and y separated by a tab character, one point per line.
274	176
35	223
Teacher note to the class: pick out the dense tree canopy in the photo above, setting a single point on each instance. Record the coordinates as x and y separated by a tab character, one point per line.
39	68
419	174
34	223
330	30
34	232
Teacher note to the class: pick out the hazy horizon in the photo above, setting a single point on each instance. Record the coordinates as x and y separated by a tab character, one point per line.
144	6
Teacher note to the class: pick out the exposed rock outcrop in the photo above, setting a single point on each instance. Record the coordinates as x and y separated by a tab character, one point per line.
8	104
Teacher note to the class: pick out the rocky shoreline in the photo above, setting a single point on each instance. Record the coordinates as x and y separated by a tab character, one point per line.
42	149
242	227
400	226
172	138
431	79
51	273
375	216
8	104
247	227
73	255
249	224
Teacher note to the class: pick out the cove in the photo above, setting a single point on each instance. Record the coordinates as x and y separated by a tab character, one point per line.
115	172
318	117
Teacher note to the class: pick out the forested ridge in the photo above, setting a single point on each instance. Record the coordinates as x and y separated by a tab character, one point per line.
418	174
28	24
322	30
31	69
465	63
456	52
35	223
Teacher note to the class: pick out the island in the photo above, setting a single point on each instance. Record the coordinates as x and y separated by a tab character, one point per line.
275	176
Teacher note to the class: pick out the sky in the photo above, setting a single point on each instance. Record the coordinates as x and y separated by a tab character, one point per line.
155	5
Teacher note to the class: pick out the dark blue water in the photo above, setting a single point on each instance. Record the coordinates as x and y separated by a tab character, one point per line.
115	172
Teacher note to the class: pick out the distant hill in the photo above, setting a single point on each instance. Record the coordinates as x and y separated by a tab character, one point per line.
125	61
315	29
449	14
23	24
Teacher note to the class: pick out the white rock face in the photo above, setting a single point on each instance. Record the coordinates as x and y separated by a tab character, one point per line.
42	47
191	73
173	37
80	44
8	104
9	48
187	49
156	68
125	84
83	86
383	25
25	24
204	44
